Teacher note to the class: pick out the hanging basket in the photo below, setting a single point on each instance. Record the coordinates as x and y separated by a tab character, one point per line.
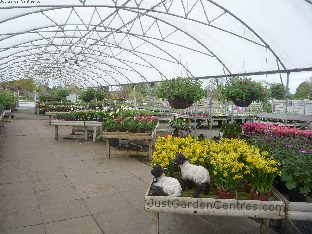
180	103
242	103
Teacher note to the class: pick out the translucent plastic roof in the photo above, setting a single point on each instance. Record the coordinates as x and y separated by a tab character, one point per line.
113	42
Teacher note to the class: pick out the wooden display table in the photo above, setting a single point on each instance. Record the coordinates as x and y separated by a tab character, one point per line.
128	135
51	114
264	210
84	124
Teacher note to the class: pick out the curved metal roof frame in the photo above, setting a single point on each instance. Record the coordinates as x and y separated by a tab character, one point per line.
160	14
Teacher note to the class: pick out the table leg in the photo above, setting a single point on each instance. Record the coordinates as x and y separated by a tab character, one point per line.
107	148
56	132
150	150
94	133
86	134
264	226
154	219
50	119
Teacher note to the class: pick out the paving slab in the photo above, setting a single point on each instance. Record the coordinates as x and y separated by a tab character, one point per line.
81	225
106	203
34	229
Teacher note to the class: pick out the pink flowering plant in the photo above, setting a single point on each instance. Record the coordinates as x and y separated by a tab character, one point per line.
274	129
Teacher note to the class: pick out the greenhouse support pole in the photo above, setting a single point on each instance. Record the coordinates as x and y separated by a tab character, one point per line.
135	101
232	112
17	98
286	97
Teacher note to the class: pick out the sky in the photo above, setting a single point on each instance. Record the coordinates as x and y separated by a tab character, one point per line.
295	79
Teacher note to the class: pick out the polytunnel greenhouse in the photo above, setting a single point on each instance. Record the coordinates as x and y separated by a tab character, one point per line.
155	116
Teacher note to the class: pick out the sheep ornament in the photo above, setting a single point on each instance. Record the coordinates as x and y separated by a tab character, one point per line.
163	185
194	174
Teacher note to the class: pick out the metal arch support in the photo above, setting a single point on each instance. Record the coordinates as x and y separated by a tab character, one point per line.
252	30
121	61
129	33
80	78
125	8
131	51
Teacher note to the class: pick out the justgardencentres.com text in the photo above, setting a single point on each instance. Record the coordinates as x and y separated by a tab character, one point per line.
197	204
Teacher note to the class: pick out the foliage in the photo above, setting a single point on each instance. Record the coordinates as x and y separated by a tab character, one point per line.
57	94
242	88
82	116
43	107
179	123
231	130
7	101
304	90
266	106
230	160
185	88
277	91
130	124
295	155
90	94
22	85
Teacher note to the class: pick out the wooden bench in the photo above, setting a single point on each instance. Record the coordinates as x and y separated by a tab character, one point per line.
151	137
84	124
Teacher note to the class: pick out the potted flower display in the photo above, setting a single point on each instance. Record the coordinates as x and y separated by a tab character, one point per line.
260	172
228	172
181	93
242	91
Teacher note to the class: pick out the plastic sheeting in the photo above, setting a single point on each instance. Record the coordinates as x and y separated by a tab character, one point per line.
113	42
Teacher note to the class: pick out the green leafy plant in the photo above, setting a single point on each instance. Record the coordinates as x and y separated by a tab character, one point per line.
186	88
90	94
231	130
179	123
242	89
295	155
7	101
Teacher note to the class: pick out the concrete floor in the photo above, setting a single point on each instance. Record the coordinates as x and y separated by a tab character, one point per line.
69	186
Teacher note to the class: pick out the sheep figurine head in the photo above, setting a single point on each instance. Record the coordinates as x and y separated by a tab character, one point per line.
197	175
157	171
163	185
180	159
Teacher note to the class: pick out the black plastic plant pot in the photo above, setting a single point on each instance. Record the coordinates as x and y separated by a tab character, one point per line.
180	103
295	196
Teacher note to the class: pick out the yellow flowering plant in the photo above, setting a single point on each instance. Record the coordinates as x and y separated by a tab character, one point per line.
229	161
227	170
261	170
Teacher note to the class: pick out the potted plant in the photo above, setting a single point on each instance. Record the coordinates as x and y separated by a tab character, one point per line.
181	92
230	130
228	172
242	91
260	173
